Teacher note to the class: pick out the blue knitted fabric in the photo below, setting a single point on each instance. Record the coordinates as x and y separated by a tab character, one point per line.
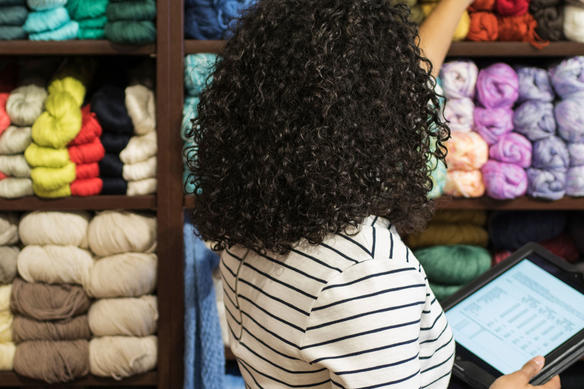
204	353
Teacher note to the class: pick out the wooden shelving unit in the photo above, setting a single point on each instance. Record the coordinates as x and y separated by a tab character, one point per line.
92	203
88	47
148	380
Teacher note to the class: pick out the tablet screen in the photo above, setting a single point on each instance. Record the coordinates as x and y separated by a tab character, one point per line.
524	312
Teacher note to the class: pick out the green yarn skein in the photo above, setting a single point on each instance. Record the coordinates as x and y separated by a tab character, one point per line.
91	33
48	20
128	32
454	265
12	2
13	15
98	22
83	9
8	33
444	291
132	10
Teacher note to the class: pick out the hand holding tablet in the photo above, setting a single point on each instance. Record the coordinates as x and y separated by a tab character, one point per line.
520	379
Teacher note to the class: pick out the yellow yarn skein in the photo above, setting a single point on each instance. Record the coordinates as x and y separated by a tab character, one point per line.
5	291
60	123
449	234
71	85
7	351
51	179
463	24
64	191
38	156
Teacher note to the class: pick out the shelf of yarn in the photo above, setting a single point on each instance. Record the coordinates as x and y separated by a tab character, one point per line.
521	203
457	49
10	379
73	47
76	203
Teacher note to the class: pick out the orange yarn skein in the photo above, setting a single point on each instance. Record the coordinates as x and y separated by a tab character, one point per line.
520	28
483	27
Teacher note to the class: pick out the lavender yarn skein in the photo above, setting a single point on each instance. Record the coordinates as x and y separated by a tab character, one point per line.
546	184
497	86
568	76
512	148
459	113
491	124
504	181
570	117
459	79
575	181
534	84
550	153
576	151
535	120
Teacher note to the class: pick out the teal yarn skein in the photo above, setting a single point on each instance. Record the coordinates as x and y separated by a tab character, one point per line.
189	113
454	265
86	9
40	5
12	2
48	20
8	33
444	291
198	71
91	33
132	10
131	32
98	22
14	15
68	31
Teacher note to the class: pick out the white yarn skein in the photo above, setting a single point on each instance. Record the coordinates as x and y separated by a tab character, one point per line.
124	316
140	170
113	232
574	23
54	264
25	104
120	357
460	114
14	165
122	275
141	187
8	229
8	259
141	106
7	351
54	228
15	140
11	187
5	291
140	148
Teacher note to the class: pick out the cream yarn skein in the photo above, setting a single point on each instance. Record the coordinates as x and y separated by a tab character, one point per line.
574	22
112	232
6	320
11	187
14	140
140	170
124	316
54	264
25	104
141	107
5	292
120	357
139	148
54	228
7	351
8	228
14	165
8	259
141	187
122	275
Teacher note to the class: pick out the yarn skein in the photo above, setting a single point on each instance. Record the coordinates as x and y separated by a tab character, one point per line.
139	149
464	184
497	86
535	119
15	140
54	228
54	264
8	259
512	148
466	151
568	76
483	27
141	107
491	124
459	114
454	265
120	356
504	181
546	184
26	104
570	118
534	84
8	229
69	329
124	316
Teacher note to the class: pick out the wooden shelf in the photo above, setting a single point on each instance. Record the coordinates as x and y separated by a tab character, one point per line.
189	201
9	378
73	47
522	203
76	203
195	46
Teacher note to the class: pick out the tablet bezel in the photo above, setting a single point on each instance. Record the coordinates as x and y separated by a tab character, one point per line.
556	359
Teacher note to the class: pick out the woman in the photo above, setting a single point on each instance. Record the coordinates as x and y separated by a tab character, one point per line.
313	143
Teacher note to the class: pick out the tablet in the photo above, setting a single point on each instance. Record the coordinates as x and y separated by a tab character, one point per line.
530	304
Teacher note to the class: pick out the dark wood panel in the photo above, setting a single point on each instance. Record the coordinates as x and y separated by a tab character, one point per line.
514	49
195	46
8	379
522	203
73	47
76	203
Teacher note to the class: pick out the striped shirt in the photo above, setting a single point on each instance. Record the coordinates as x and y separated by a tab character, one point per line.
353	312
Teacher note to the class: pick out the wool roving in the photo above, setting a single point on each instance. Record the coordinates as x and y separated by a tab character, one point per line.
459	114
519	29
576	151
534	84
47	228
52	361
113	232
568	76
575	181
550	153
449	234
54	264
535	5
574	22
497	86
8	229
7	351
550	23
512	148
124	316
121	356
483	27
25	104
570	118
482	5
464	184
503	180
8	258
512	7
535	119
546	184
6	320
454	265
25	329
466	151
491	124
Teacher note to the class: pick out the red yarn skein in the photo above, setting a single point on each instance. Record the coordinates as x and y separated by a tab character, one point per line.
3	176
483	27
87	170
512	7
482	5
4	118
90	128
500	256
563	246
87	153
521	29
86	187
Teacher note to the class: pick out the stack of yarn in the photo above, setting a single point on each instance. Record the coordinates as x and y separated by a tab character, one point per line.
8	258
549	15
463	26
573	22
139	155
124	318
91	17
13	14
131	21
452	250
569	85
49	20
51	326
198	75
213	19
467	151
504	174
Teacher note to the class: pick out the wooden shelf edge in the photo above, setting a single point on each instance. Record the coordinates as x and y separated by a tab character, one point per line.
73	47
76	203
189	201
9	378
200	46
519	204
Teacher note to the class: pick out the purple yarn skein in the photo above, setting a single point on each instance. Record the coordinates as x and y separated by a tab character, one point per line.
550	153
546	184
570	117
535	120
534	84
512	148
497	86
491	124
459	79
568	76
576	151
575	181
459	113
504	180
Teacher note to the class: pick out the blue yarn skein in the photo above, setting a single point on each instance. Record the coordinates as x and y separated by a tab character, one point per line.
65	32
568	77
213	19
48	20
570	117
198	72
575	181
40	5
546	184
511	230
535	119
534	84
109	106
576	151
550	153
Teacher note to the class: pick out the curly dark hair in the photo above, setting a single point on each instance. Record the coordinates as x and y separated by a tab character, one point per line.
319	114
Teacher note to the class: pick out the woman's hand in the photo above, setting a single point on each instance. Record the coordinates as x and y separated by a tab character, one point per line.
520	379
